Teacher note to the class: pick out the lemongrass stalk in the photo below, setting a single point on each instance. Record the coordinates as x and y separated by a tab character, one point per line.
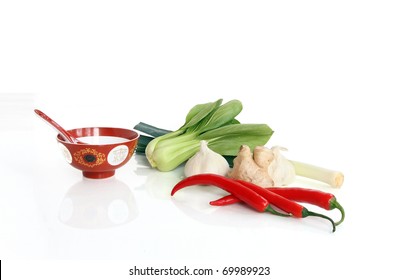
331	177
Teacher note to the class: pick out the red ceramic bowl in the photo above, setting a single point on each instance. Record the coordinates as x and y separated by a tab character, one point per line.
106	150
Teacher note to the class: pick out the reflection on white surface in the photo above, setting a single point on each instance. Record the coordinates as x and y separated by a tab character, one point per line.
194	201
95	204
158	184
118	211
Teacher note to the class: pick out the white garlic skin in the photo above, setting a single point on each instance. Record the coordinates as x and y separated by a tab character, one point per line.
206	161
281	170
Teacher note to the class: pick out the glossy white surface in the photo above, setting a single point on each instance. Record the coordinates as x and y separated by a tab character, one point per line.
322	76
49	211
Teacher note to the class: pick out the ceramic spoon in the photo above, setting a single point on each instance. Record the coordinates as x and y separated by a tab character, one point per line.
59	128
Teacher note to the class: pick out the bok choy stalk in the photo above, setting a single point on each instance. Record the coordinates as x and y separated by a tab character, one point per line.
213	122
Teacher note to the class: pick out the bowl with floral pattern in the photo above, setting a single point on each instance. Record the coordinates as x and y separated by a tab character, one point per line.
100	150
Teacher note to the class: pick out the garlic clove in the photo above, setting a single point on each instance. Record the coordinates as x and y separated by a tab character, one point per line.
281	170
206	161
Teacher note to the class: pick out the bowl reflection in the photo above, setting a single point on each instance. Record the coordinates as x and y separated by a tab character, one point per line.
93	204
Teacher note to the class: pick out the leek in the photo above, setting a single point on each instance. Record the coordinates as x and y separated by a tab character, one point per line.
331	177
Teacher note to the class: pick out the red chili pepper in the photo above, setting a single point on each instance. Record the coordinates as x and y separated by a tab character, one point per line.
225	200
321	199
253	195
243	193
285	204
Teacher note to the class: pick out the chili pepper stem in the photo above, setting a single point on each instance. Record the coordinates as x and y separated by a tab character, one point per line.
335	204
271	210
307	213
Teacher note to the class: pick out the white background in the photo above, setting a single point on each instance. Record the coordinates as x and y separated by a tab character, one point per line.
322	74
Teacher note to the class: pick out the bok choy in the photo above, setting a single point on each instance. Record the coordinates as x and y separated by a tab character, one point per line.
213	122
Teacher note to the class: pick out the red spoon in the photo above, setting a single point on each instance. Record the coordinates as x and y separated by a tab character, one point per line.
59	128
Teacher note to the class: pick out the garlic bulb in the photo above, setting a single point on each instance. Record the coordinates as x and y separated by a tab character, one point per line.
206	161
281	170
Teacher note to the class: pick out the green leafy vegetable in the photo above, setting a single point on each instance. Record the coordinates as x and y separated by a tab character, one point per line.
214	122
